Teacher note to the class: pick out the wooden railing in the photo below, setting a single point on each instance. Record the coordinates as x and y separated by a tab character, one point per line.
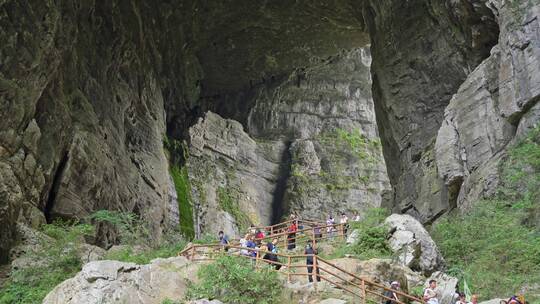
321	270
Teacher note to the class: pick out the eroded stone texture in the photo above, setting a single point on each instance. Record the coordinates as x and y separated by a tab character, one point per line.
326	112
82	119
422	51
119	282
232	176
493	108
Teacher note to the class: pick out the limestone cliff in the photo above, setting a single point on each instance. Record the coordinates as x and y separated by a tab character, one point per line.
90	90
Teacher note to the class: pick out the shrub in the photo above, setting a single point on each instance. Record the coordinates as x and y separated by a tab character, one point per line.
131	229
496	246
134	233
372	237
234	280
54	260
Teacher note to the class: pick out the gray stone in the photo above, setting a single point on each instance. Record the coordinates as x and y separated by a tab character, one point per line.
353	236
332	301
119	282
413	244
232	176
446	287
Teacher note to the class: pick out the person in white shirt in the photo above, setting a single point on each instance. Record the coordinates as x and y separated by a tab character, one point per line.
330	222
243	243
430	295
356	217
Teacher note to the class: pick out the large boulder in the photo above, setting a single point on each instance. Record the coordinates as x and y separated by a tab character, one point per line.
413	244
118	282
446	287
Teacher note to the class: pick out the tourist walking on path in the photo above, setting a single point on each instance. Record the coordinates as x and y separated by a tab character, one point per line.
474	299
356	217
223	240
310	252
272	254
392	296
330	222
344	221
430	295
461	298
291	236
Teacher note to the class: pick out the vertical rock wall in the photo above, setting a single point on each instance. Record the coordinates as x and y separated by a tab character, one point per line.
82	96
422	51
326	112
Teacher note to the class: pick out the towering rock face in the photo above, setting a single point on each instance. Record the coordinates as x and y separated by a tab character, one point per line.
497	104
422	52
89	90
312	150
82	117
232	176
326	113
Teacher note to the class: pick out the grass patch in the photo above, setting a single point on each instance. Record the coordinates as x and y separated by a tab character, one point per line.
372	238
52	262
496	246
234	280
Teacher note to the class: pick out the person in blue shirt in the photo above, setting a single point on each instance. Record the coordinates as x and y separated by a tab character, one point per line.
251	244
223	240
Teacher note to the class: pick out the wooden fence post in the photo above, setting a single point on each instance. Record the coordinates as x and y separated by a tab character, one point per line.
363	292
289	269
192	252
315	271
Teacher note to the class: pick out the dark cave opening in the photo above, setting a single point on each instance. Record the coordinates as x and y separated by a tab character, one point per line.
278	200
57	181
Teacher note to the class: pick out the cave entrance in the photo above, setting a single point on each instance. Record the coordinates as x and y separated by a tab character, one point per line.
278	200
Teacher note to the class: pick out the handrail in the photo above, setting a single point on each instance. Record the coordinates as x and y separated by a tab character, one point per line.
316	267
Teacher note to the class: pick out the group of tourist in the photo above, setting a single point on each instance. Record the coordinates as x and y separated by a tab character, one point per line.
431	295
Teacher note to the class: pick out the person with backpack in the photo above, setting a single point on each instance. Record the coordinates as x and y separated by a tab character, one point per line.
430	295
272	254
392	296
311	252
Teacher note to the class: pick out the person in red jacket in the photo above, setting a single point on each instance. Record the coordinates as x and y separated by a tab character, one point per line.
291	237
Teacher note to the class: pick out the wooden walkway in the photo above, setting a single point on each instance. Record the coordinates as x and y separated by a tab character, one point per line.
295	265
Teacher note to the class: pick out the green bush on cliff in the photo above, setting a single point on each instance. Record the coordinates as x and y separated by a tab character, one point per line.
140	246
234	280
496	246
229	203
52	261
371	241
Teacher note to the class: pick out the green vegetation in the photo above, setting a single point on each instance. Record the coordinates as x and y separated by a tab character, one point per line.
229	203
233	280
55	259
496	246
139	246
371	242
177	155
183	191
